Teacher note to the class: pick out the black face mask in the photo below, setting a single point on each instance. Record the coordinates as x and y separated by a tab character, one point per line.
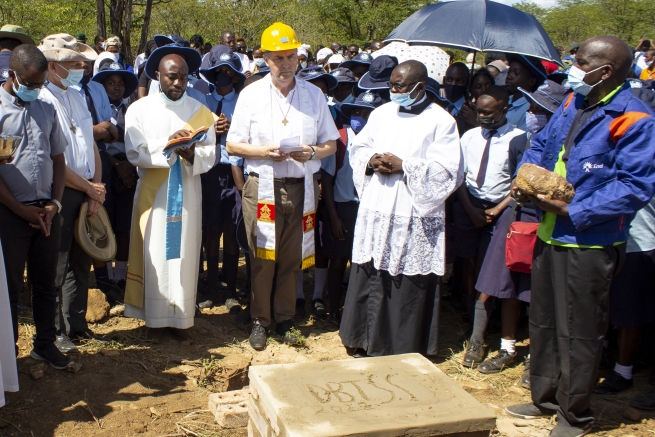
489	121
222	80
454	92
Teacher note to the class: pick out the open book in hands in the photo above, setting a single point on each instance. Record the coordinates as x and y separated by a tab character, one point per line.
196	136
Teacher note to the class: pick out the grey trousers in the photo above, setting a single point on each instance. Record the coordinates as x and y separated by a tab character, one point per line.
73	268
569	315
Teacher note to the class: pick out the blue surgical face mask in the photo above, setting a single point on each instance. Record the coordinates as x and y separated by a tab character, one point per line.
348	99
357	123
74	77
26	95
576	80
404	99
260	62
535	122
303	65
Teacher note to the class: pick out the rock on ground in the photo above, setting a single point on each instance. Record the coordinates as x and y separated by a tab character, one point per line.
97	308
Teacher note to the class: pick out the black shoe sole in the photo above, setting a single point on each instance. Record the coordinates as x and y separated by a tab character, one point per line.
494	371
38	357
258	347
524	417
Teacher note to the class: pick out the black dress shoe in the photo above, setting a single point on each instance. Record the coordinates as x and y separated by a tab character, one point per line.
475	353
525	376
287	331
300	308
359	353
497	363
614	383
87	336
65	345
258	337
318	308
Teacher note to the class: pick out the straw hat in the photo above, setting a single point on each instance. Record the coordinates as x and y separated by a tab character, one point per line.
95	235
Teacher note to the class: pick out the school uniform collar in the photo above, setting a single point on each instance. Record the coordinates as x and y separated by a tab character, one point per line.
228	97
499	132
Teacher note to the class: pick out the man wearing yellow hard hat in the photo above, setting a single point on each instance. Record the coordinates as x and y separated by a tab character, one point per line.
282	127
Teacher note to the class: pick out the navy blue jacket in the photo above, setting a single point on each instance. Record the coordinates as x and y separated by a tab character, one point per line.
611	167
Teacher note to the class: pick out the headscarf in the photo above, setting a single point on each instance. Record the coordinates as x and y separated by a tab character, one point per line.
104	56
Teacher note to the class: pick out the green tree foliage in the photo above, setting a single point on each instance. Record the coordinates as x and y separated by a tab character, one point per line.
317	21
576	20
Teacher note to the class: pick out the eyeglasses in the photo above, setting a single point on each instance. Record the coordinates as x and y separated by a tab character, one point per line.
38	86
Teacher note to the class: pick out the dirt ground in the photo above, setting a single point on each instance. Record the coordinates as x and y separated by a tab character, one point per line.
134	386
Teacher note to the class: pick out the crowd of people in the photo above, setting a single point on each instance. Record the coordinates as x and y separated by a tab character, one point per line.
149	174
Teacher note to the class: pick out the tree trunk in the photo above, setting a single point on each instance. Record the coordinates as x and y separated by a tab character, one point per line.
127	44
116	8
102	26
145	27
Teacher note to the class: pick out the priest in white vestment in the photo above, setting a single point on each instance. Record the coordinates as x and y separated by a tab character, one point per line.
406	162
166	225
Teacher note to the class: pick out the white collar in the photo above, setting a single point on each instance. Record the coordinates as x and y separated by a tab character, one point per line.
56	90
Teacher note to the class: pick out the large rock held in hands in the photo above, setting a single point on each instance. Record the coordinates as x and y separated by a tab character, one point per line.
533	180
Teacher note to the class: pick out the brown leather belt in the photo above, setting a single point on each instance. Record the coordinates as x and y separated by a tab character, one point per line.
282	180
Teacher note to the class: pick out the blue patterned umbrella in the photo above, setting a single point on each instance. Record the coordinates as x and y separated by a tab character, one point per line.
477	26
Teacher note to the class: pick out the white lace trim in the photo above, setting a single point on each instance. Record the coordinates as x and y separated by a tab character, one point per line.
401	245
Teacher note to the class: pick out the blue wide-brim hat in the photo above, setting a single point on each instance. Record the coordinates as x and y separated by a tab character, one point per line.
163	40
192	57
220	56
433	87
379	73
549	95
360	59
131	81
368	99
343	75
310	74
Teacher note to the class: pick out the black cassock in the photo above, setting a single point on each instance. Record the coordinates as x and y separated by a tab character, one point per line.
389	315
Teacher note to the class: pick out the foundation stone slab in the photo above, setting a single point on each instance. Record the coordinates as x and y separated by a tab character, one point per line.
401	395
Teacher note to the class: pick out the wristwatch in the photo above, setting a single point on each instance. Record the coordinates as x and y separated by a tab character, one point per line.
313	153
58	203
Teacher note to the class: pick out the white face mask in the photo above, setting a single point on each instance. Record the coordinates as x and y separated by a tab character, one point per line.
576	80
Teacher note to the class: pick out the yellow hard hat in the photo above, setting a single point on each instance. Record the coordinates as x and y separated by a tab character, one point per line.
278	37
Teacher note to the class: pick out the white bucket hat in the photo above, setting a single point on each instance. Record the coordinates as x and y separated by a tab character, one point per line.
63	47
